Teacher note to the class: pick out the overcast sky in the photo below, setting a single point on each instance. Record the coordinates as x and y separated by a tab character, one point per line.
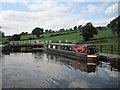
18	16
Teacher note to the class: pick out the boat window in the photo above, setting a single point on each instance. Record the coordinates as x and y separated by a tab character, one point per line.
48	46
65	48
68	48
53	46
62	47
56	47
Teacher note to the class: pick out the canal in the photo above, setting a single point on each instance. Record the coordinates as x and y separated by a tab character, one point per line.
42	70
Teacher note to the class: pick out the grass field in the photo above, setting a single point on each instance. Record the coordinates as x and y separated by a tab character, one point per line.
69	37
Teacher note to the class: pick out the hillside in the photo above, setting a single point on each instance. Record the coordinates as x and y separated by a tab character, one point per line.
69	37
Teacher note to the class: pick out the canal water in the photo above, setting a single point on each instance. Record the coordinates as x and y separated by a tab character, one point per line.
42	70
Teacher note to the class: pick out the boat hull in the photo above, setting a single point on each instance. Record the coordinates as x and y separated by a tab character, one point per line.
71	55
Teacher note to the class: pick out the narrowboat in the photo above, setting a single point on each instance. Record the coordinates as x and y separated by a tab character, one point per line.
73	51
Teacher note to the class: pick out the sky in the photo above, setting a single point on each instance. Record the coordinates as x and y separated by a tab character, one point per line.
18	16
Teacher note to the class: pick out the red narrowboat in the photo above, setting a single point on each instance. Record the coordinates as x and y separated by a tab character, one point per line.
73	51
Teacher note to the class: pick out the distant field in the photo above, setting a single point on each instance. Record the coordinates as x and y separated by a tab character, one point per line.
72	36
69	37
104	33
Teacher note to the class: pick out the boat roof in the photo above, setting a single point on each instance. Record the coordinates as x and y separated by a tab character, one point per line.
66	44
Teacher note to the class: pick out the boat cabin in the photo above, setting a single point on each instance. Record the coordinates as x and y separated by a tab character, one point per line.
82	48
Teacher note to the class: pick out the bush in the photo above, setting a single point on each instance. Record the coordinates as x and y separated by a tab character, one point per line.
52	35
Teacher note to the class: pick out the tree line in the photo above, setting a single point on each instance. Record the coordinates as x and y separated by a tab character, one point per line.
87	31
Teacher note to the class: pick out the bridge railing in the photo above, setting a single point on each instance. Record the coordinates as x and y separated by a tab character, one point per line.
29	42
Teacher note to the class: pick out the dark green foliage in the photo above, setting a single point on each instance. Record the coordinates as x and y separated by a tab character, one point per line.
50	31
101	28
37	31
9	38
16	37
115	25
46	30
59	34
3	35
62	30
70	29
75	28
24	33
88	31
80	28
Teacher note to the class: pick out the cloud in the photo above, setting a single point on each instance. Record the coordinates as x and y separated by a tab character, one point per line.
91	0
12	1
97	22
43	5
79	83
112	9
93	8
16	21
15	1
47	15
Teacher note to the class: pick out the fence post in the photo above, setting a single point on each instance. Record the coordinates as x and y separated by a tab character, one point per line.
111	49
101	48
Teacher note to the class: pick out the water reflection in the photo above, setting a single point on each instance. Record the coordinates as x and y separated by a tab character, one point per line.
38	55
41	70
21	49
83	66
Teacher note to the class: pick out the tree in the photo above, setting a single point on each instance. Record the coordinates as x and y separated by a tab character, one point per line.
24	33
75	28
46	30
50	30
80	28
62	30
16	37
115	25
70	29
88	31
2	34
37	31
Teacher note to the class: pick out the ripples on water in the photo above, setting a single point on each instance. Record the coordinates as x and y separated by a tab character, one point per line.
41	70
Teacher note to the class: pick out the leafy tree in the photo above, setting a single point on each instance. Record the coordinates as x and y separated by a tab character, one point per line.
88	31
46	30
16	37
66	30
75	27
62	30
24	33
80	27
37	31
2	34
115	25
50	30
70	29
